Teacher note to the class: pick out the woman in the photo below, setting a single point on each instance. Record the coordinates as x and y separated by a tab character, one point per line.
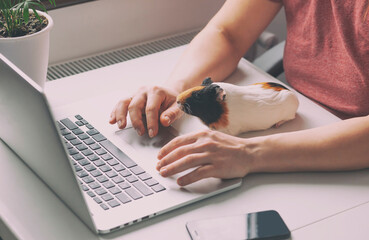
326	58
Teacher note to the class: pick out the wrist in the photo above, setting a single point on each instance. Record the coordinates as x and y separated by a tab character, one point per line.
256	152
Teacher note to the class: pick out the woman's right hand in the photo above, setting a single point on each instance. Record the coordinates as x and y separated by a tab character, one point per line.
156	103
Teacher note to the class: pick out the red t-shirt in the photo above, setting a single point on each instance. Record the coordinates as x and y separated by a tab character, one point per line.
327	53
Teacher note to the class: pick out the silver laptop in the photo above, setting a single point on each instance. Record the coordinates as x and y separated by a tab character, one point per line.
107	178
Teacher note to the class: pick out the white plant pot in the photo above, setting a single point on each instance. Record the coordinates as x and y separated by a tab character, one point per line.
30	53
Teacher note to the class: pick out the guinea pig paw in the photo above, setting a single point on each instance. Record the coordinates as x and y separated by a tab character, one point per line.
221	94
278	124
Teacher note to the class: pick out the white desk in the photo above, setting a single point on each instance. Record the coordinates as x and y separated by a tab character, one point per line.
308	202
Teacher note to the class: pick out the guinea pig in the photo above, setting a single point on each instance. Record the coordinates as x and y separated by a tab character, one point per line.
237	109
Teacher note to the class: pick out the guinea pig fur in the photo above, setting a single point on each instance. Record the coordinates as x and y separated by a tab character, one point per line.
236	109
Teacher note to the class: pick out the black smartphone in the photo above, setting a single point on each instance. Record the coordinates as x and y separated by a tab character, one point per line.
251	226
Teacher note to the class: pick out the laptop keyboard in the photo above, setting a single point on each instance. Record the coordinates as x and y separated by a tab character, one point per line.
106	174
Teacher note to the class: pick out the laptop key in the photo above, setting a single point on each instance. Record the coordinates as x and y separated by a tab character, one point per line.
77	131
131	179
133	193
112	162
102	179
88	179
100	151
123	198
83	136
111	174
151	182
78	156
89	141
116	152
90	167
124	185
77	168
115	190
144	176
82	174
107	197
69	124
65	132
105	168
92	132
99	163
113	203
93	157
75	142
69	137
91	194
99	137
95	146
142	188
125	173
81	147
73	151
94	185
84	162
118	179
104	206
87	152
97	200
158	188
96	173
100	191
108	184
106	157
119	167
137	170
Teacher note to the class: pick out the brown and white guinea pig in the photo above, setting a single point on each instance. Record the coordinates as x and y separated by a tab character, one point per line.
236	109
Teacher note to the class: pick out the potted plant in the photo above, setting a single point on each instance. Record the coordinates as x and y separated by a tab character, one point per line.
24	36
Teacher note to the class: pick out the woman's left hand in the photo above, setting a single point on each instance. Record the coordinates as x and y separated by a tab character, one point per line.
211	153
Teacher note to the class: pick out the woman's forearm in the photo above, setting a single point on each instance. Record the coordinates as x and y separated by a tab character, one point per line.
339	146
217	49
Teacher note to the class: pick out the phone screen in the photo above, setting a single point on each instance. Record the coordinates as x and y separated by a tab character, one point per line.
258	225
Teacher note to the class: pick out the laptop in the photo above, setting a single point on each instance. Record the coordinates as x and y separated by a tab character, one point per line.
106	177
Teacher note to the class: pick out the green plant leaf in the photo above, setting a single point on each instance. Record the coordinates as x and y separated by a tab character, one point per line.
26	12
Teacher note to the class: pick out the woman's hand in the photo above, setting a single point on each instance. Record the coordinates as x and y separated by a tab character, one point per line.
211	153
154	103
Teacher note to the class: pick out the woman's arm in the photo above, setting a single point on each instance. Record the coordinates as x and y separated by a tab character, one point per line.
217	49
336	147
339	146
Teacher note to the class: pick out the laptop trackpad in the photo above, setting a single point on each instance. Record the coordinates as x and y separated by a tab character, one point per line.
131	137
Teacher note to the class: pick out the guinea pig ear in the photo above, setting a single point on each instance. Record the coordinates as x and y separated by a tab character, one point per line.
207	81
221	94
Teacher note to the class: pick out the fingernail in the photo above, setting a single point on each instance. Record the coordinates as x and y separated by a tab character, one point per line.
119	123
180	181
158	165
167	119
139	132
151	133
163	171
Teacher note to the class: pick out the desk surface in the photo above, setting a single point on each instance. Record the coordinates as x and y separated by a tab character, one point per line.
309	202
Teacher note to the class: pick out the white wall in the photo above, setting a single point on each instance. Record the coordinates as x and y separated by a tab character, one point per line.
103	25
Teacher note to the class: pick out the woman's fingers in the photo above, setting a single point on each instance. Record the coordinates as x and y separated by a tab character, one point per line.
155	100
179	153
170	115
151	102
119	114
183	164
176	143
199	173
